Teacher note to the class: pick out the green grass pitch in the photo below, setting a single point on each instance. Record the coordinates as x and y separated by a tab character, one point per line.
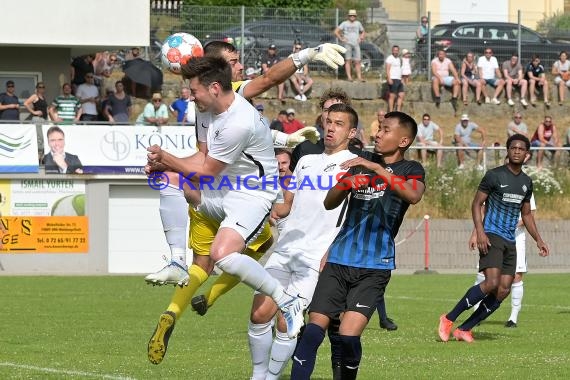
98	328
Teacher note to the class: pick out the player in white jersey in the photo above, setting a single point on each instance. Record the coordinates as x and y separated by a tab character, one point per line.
307	234
283	157
239	144
240	137
172	202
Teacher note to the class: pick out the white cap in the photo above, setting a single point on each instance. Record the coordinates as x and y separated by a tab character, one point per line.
290	110
405	51
352	12
464	117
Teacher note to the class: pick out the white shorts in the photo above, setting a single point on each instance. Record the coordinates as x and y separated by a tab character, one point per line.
297	273
241	212
520	241
446	81
559	79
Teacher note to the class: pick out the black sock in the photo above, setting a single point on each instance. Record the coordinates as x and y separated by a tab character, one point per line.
351	355
381	307
306	353
336	346
473	295
487	307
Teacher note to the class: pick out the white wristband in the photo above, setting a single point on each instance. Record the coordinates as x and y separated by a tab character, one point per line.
280	138
301	58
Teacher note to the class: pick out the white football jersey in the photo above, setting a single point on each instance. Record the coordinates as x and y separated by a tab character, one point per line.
240	138
203	120
310	228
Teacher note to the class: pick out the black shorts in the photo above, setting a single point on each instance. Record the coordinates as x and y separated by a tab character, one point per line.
396	87
502	254
342	288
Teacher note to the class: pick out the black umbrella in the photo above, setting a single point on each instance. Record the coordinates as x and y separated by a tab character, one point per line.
143	73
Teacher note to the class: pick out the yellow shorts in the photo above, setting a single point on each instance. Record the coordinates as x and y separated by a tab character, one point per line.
203	231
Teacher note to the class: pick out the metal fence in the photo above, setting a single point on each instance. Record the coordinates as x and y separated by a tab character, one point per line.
254	29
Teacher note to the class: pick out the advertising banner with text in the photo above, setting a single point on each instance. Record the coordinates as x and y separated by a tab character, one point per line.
43	216
109	149
18	148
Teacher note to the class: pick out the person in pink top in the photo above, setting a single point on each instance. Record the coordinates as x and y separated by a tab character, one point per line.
546	135
444	74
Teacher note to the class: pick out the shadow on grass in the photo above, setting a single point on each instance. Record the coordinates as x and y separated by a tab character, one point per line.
493	323
482	335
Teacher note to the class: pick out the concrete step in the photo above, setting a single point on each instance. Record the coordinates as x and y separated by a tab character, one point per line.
378	15
402	33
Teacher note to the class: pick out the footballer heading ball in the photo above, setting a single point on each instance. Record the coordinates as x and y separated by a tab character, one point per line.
178	49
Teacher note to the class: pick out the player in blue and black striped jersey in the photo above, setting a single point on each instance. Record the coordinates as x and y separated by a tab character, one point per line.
506	192
382	185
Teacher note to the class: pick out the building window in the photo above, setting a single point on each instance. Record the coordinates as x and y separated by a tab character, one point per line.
24	81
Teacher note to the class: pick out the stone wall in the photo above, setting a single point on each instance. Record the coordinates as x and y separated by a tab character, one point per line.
368	97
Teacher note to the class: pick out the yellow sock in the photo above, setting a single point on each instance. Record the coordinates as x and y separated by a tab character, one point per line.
227	282
182	295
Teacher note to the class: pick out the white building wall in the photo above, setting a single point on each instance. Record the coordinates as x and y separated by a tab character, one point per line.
71	23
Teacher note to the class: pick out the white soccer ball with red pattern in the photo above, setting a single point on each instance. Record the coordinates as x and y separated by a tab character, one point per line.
178	49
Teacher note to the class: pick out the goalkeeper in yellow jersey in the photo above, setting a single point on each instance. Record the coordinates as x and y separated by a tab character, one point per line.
203	229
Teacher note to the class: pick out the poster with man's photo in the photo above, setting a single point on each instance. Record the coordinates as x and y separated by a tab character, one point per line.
110	149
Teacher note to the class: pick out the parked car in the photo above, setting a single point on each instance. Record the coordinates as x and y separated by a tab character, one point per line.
458	38
259	35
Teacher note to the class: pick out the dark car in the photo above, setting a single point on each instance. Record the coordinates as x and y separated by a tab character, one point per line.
283	34
458	38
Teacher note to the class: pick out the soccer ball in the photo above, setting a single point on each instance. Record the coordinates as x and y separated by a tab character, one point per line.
178	49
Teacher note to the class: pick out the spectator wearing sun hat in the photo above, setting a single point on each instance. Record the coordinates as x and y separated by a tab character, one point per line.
462	138
292	124
155	112
351	33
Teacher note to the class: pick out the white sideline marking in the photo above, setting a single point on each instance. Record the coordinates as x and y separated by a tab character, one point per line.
66	372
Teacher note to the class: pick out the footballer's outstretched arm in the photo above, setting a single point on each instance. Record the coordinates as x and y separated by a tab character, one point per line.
330	54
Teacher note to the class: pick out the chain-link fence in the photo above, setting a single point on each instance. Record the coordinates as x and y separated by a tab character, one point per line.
252	30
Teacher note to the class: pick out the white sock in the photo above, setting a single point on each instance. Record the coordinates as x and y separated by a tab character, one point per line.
281	351
479	279
260	338
251	273
517	292
174	216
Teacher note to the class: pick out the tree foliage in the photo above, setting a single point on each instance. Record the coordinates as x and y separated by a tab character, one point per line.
558	22
307	4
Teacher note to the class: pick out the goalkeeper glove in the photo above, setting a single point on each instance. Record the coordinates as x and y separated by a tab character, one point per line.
295	138
330	54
